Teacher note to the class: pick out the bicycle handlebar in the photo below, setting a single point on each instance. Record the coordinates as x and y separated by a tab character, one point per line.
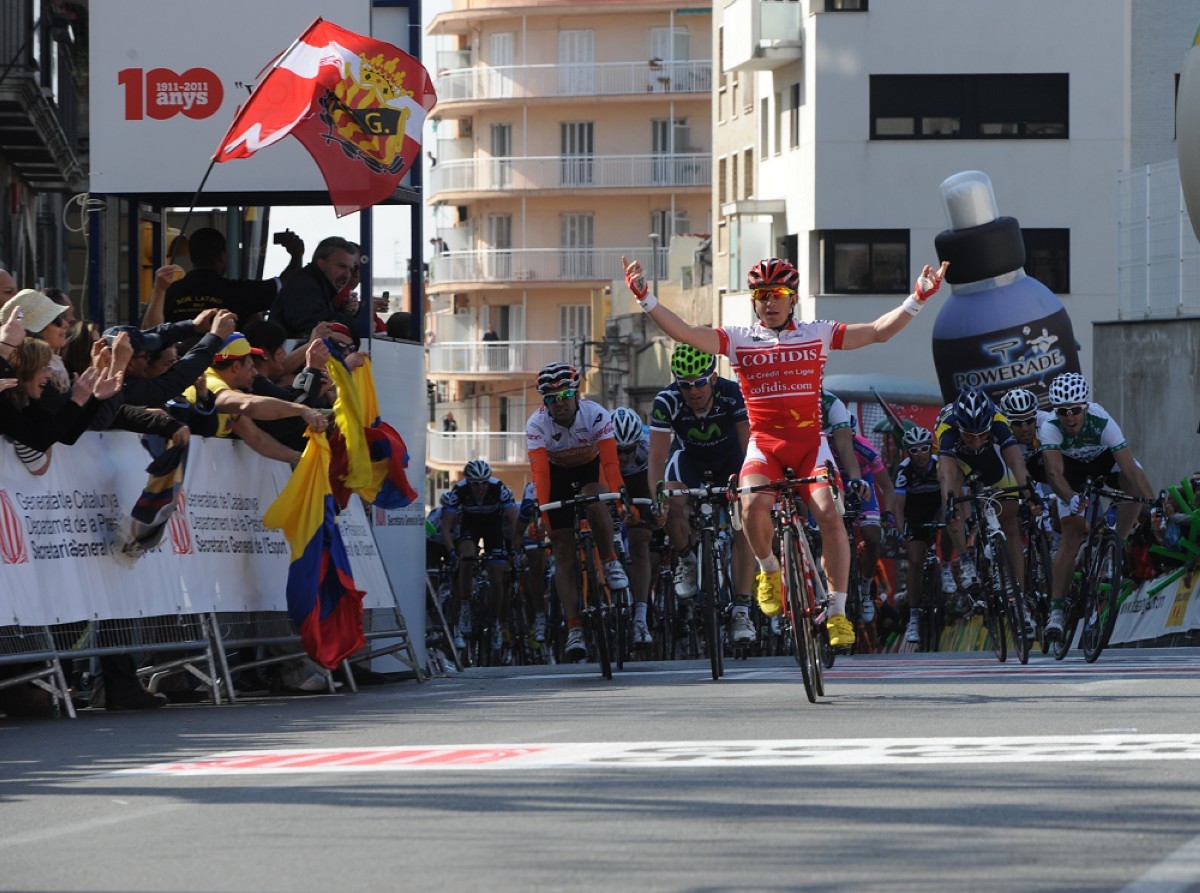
785	484
581	500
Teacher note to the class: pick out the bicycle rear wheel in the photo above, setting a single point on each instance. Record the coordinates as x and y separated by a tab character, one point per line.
993	606
707	564
1100	613
796	584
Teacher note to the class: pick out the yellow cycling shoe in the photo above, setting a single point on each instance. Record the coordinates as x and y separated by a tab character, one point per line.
841	631
770	592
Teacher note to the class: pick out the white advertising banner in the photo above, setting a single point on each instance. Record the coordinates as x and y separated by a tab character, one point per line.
167	78
1173	609
57	533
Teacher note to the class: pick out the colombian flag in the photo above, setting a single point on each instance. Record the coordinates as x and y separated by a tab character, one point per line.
389	487
148	519
321	596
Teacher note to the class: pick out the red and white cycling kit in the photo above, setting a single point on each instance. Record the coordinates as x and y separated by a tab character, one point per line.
582	452
780	374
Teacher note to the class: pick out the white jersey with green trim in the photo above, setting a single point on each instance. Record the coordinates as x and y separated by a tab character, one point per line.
1098	434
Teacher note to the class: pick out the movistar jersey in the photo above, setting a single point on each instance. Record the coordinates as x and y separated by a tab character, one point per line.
461	499
710	438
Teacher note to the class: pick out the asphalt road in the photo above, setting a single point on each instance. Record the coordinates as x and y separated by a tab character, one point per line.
944	773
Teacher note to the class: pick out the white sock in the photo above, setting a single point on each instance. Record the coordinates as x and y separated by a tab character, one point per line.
768	565
837	603
639	612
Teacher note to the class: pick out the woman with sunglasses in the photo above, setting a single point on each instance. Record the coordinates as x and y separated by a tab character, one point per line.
571	442
779	363
1079	441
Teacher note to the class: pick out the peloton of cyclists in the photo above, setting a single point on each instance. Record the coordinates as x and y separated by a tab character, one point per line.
1081	440
633	453
779	362
478	507
699	427
571	444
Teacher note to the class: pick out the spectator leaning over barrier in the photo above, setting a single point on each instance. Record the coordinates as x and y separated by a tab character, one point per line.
309	387
207	288
307	299
228	380
156	374
46	320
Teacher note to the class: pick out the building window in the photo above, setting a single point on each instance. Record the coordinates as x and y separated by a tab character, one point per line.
1048	257
865	261
748	158
722	194
764	127
845	5
778	122
969	106
794	116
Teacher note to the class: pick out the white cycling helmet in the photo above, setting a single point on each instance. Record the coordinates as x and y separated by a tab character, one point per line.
477	471
626	426
1068	389
915	437
1019	404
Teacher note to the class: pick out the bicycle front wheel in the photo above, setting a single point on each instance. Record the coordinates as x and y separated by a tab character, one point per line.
707	564
1100	613
796	585
1012	599
1038	584
993	608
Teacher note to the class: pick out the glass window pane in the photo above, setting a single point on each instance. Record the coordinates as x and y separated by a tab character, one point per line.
894	127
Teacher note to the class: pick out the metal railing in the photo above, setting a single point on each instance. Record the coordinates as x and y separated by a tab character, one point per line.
507	82
494	357
536	264
458	447
572	172
1158	261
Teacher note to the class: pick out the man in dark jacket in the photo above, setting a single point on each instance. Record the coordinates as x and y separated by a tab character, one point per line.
307	299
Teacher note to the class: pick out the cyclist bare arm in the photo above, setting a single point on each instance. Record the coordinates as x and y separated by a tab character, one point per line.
843	445
887	493
1052	461
1130	468
514	524
882	329
1016	463
660	449
700	337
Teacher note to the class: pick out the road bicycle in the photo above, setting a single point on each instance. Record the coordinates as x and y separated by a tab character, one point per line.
806	599
1038	567
933	598
1093	598
714	597
996	594
597	603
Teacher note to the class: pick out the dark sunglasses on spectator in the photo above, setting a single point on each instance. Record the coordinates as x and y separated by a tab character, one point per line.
920	450
1061	411
551	399
694	383
60	321
342	345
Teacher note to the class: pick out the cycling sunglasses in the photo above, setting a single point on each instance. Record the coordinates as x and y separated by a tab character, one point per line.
1015	422
773	293
561	396
1062	411
919	450
694	383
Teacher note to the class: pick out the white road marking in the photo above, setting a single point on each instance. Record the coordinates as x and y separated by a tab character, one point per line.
684	754
1177	873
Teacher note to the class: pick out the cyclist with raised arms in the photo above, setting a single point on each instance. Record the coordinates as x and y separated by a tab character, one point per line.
633	454
571	444
699	426
918	503
973	437
779	362
1079	441
478	507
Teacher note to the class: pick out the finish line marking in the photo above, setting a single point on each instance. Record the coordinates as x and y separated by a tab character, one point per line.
689	754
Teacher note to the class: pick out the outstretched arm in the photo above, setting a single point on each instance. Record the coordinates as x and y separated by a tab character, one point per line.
700	337
864	333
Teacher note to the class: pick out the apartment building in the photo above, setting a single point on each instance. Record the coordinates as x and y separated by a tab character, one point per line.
568	134
836	120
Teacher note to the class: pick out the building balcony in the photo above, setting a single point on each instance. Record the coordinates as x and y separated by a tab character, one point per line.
509	83
761	35
571	173
494	359
525	266
453	449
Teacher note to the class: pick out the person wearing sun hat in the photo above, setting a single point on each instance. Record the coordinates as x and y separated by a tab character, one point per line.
228	380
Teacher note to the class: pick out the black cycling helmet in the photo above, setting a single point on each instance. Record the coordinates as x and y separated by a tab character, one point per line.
973	411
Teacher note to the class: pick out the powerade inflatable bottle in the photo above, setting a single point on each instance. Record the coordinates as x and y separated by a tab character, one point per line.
999	329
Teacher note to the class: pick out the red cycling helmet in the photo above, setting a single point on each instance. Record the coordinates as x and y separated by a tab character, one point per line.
773	271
